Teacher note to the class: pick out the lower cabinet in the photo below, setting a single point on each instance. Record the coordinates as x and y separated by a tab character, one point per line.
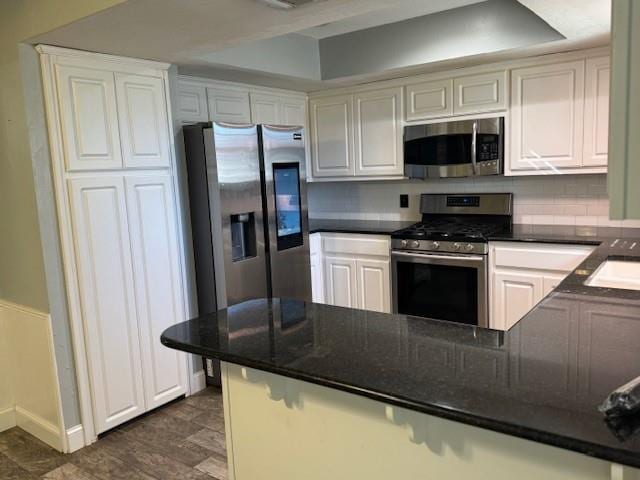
522	274
355	271
129	284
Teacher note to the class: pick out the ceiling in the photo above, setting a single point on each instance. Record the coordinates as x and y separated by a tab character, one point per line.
334	42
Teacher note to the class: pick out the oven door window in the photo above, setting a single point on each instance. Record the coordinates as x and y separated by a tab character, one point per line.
439	150
441	292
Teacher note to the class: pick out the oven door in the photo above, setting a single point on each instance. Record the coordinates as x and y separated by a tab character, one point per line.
441	286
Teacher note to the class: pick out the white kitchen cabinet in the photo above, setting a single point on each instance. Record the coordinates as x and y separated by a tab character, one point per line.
373	284
522	274
228	105
430	99
378	132
88	118
340	281
192	103
265	108
317	269
156	268
480	93
596	112
103	257
331	124
293	111
144	131
547	107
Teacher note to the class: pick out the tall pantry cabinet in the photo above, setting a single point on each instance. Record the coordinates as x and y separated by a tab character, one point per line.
114	176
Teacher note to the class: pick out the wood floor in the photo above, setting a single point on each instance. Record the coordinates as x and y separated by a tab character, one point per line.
184	440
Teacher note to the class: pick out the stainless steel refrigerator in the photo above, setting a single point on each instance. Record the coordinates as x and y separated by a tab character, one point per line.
248	202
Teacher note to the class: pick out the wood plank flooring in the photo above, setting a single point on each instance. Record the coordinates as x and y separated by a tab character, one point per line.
184	440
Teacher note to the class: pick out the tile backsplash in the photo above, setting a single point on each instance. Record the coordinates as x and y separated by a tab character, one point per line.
544	200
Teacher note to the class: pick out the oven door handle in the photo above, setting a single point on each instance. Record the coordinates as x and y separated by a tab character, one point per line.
428	256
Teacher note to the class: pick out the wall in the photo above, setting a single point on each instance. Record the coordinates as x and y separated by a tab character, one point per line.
23	158
562	199
7	414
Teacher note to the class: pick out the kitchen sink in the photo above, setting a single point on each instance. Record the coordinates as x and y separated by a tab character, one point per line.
616	274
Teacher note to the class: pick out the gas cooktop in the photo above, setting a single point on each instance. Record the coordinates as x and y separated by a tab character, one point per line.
449	230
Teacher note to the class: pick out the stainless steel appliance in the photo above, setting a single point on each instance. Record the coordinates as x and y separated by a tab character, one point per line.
247	193
439	265
462	148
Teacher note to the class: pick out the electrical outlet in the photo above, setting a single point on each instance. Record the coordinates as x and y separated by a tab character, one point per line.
404	200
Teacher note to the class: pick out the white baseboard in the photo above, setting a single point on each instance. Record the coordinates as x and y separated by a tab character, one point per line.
198	381
39	428
75	439
7	419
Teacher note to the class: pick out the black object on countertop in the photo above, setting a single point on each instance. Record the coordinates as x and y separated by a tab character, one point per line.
623	401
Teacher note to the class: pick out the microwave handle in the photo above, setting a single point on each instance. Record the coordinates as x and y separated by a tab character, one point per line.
474	146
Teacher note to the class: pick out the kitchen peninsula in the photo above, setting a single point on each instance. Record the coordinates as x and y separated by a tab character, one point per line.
344	393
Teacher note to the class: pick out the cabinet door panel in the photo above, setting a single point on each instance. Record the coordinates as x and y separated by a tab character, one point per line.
515	294
432	99
480	93
293	112
596	114
340	281
89	121
265	109
154	242
378	132
373	285
107	298
227	105
332	136
142	111
551	282
547	116
192	103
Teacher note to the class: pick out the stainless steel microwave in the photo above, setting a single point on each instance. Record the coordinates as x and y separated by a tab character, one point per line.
463	148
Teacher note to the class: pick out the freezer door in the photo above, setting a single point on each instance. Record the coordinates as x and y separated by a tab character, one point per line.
234	161
285	201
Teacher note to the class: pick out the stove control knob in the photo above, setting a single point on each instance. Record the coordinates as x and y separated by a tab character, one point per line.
456	246
435	245
469	247
415	244
404	243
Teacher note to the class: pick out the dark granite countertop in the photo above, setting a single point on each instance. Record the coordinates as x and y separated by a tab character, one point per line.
542	380
373	227
572	234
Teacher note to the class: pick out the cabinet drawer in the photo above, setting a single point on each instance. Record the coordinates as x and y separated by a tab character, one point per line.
356	244
540	256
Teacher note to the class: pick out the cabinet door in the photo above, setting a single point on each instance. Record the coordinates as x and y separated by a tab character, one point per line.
340	281
158	286
142	111
378	132
332	136
432	99
265	109
480	93
293	111
596	114
88	117
192	103
551	282
373	285
105	278
547	116
228	105
515	293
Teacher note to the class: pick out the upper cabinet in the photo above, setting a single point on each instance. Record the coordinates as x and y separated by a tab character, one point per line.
277	110
560	118
331	136
228	105
293	111
480	93
89	118
596	112
192	103
431	99
143	120
378	132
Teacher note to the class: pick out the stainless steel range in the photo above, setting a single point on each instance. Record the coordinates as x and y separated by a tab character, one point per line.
439	265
